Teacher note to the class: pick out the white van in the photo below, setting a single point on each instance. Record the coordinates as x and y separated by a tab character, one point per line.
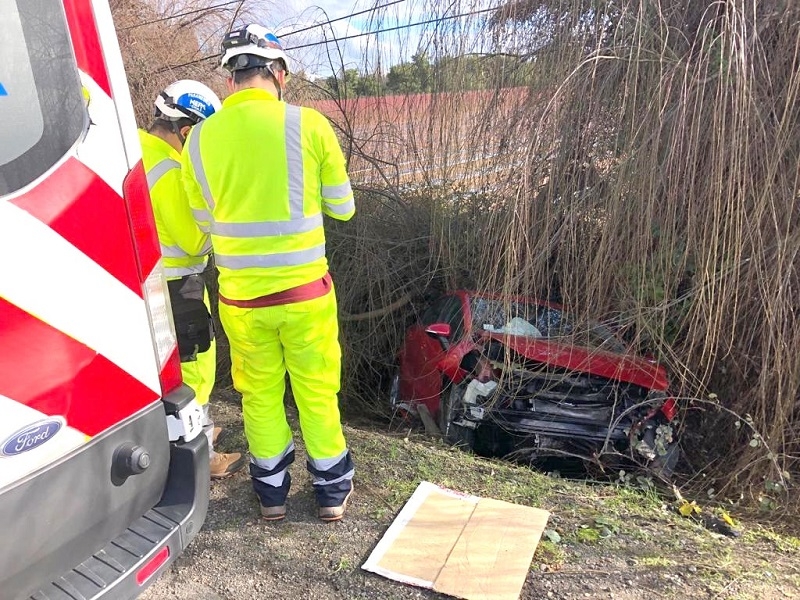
104	475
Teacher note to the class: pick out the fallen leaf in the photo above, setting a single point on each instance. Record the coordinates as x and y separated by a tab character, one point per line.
687	509
552	535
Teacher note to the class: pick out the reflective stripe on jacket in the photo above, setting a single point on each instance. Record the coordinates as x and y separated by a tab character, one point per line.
259	175
183	245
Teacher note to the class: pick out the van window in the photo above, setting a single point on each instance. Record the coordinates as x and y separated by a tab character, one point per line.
42	111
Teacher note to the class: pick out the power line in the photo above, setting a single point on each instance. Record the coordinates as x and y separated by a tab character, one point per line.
355	14
323	24
404	26
178	15
349	37
213	6
187	64
205	58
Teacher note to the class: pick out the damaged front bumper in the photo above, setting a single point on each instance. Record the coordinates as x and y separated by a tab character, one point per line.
574	413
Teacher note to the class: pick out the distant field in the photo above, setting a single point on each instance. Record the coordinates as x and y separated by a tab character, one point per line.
432	138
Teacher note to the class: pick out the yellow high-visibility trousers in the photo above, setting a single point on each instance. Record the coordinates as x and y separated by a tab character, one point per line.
302	339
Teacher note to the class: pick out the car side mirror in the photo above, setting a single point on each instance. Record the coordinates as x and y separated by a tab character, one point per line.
440	330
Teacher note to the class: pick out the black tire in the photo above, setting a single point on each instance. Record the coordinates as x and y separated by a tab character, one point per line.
455	435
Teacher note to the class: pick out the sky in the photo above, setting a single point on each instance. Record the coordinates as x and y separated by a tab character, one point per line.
366	53
362	53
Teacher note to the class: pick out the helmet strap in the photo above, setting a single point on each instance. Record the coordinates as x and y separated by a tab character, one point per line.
171	103
176	129
268	68
265	69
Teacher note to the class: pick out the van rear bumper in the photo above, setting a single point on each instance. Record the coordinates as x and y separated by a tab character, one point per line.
125	566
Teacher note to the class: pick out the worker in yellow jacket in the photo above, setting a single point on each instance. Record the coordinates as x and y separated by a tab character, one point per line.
260	175
184	246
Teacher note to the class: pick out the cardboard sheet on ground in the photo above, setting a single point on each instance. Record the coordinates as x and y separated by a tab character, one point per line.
461	545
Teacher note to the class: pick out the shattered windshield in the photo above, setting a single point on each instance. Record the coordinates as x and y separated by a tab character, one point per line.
527	319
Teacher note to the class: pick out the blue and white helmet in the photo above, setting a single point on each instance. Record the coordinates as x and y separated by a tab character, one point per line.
186	99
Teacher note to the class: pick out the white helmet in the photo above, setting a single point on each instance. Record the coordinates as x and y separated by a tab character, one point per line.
186	99
253	46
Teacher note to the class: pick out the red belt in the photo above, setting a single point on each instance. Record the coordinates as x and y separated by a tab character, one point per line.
307	291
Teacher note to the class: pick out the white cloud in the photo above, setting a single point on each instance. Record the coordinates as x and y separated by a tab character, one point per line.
366	52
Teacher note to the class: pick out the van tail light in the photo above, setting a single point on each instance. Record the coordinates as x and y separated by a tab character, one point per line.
151	274
162	329
170	374
143	223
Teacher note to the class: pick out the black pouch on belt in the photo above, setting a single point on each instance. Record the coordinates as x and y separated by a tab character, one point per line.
193	324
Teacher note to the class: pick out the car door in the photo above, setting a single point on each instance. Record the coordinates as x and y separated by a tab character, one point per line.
420	378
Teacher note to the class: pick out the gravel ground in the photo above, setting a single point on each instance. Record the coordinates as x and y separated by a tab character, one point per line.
643	551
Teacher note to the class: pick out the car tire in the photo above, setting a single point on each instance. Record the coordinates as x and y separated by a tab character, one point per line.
455	435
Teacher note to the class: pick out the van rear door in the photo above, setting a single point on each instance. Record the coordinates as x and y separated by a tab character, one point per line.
87	348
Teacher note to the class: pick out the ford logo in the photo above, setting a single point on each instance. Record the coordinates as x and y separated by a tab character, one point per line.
30	437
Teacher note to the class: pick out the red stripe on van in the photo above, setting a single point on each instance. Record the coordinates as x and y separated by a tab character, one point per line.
143	222
86	42
49	371
90	215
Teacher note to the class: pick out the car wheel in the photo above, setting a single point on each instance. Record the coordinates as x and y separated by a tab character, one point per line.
454	434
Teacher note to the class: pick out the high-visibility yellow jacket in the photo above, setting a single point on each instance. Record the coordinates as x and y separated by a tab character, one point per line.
260	174
183	244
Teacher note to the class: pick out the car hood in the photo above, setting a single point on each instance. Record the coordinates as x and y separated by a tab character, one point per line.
629	369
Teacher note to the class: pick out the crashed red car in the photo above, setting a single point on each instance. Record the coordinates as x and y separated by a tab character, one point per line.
504	375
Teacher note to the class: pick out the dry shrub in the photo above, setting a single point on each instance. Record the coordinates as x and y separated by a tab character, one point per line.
162	42
387	263
685	123
648	176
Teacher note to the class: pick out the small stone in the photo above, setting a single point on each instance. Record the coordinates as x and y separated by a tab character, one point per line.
629	582
692	569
